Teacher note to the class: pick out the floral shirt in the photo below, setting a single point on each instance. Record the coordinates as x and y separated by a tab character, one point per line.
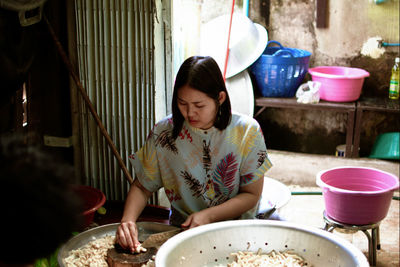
202	168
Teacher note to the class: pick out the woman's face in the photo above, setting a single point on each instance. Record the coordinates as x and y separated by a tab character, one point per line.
198	109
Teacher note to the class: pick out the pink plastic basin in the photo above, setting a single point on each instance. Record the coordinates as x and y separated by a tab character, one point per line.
339	84
357	195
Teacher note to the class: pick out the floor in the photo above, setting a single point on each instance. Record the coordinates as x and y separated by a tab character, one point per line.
298	171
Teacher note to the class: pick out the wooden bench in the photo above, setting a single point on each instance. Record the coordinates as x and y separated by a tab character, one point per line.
382	104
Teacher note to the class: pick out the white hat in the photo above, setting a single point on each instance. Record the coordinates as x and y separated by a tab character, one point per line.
247	42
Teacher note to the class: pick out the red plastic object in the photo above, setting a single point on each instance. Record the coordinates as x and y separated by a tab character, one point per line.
339	84
92	199
357	195
229	37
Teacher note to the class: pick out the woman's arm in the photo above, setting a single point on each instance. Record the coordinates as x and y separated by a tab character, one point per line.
245	200
127	233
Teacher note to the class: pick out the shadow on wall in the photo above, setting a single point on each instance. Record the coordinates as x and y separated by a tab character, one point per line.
312	141
313	138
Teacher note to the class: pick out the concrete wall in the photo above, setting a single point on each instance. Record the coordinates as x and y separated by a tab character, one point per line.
349	25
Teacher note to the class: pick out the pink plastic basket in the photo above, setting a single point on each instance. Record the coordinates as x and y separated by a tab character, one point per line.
339	84
357	195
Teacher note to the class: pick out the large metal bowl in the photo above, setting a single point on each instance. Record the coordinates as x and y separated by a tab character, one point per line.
211	245
145	229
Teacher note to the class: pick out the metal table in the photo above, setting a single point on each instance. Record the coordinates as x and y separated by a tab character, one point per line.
373	238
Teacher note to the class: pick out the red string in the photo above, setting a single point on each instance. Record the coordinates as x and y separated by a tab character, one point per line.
229	37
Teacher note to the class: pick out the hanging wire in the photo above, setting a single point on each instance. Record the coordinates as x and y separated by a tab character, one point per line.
229	37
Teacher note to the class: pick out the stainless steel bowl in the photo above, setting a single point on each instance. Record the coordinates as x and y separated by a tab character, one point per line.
211	245
145	229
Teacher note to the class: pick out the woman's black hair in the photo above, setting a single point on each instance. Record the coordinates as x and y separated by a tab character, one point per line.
203	74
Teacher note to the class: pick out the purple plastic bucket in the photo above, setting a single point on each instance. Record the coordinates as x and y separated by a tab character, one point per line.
357	195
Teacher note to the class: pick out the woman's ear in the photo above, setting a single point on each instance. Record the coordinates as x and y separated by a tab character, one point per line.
221	97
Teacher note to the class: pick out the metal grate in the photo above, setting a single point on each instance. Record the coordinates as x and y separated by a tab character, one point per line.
116	65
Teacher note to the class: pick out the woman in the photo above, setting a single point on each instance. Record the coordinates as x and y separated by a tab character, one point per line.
209	161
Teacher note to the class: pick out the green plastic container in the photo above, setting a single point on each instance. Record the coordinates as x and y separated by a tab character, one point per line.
386	146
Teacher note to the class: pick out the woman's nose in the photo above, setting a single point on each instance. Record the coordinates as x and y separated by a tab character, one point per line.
189	111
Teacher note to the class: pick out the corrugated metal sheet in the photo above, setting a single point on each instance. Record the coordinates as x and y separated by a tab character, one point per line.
116	66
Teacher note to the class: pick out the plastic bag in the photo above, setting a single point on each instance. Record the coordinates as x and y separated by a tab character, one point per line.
308	92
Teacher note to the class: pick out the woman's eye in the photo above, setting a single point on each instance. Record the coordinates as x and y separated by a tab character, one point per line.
199	106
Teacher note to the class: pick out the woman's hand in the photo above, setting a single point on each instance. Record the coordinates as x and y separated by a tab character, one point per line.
127	236
127	233
246	199
197	219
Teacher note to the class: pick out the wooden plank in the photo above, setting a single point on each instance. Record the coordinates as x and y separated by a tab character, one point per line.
265	10
322	6
379	104
292	103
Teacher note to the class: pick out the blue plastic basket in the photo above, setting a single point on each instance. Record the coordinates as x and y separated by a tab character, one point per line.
279	71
